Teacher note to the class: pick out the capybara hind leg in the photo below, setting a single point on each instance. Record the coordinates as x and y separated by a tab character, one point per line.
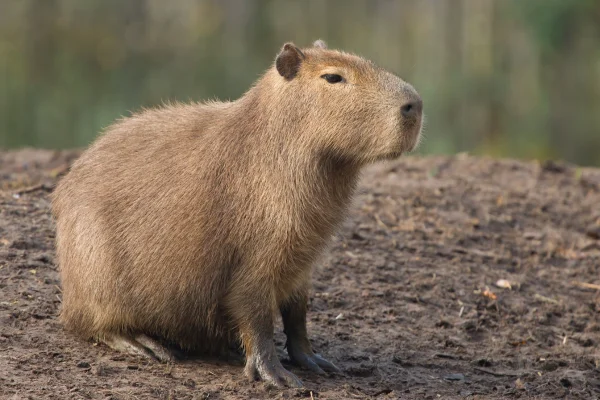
159	351
127	344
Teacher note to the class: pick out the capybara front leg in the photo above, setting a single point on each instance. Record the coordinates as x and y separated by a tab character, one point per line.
261	359
298	346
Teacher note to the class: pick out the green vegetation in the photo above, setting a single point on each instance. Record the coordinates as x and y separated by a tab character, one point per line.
517	78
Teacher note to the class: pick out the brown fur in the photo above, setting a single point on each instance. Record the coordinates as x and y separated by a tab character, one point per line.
189	222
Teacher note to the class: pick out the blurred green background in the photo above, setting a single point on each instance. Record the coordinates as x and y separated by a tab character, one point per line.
515	78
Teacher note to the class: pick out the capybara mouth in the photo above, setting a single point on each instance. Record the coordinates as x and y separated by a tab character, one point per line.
415	137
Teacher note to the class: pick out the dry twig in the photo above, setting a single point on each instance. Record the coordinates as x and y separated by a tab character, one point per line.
586	285
489	371
545	299
34	188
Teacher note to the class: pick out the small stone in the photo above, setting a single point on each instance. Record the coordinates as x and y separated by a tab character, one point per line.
504	284
455	377
83	364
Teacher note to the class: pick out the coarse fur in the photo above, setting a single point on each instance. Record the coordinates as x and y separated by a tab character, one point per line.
189	223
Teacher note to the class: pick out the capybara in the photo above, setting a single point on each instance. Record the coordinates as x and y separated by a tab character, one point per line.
192	226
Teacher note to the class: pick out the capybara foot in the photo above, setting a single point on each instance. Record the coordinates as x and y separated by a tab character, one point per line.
141	345
160	352
270	370
312	362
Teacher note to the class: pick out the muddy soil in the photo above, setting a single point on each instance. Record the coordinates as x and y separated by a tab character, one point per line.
409	303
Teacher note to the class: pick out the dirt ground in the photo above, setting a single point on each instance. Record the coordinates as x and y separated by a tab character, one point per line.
408	303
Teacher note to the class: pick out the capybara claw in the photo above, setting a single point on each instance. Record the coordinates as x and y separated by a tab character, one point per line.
313	362
272	373
326	365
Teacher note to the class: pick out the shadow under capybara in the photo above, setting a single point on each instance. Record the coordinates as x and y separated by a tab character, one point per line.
197	224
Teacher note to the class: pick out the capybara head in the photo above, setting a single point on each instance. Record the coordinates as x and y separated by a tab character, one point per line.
345	105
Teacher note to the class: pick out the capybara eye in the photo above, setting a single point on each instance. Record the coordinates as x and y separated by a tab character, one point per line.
332	78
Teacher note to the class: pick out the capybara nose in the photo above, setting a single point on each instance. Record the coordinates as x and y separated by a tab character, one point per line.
412	109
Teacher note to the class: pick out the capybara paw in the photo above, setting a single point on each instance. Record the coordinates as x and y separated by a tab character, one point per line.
312	362
160	352
271	373
141	345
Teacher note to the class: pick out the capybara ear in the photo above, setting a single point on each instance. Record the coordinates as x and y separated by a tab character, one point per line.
320	44
288	61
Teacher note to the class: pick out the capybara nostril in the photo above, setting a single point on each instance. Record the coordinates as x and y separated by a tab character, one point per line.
412	108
